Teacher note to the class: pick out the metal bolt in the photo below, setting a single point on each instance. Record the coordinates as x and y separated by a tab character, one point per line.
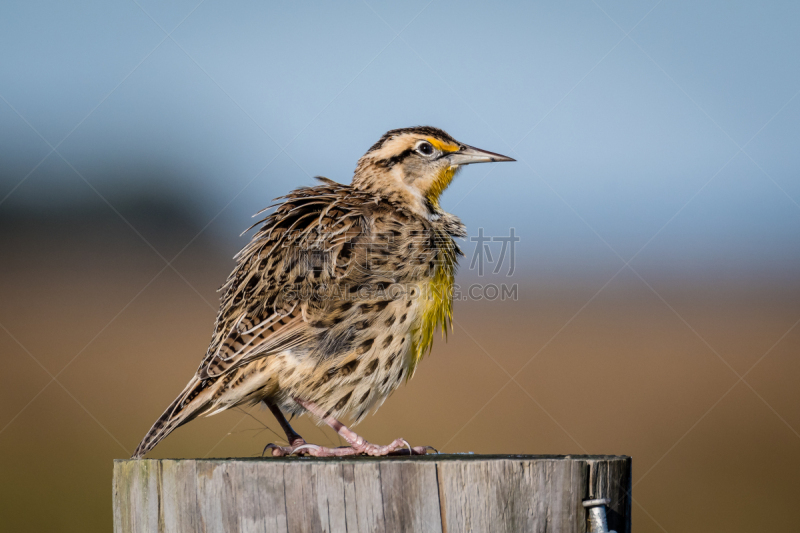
597	515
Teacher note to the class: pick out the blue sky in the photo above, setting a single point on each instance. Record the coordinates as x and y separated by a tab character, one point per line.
662	132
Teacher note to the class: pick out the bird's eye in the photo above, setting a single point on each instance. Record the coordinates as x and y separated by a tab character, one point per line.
425	148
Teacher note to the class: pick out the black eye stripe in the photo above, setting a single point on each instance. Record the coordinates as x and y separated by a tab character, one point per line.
392	161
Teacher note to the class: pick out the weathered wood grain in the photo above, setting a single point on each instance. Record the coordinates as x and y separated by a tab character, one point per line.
410	493
439	493
364	498
179	496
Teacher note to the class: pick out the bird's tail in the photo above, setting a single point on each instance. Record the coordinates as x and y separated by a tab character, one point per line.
190	403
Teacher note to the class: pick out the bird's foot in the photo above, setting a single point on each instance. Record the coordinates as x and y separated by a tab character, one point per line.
362	447
358	446
396	447
301	447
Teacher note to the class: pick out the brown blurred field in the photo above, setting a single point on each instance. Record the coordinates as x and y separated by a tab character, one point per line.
616	372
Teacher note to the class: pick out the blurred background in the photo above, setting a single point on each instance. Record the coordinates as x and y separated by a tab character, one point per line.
655	197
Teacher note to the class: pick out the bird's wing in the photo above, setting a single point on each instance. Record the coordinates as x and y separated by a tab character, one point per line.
306	243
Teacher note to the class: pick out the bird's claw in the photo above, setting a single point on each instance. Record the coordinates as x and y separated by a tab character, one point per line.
298	445
278	451
303	447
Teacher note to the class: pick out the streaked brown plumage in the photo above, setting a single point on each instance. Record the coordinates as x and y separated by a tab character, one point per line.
336	297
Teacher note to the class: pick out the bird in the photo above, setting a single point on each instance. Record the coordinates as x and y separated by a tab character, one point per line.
335	299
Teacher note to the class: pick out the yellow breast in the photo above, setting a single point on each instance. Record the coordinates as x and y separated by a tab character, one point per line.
436	303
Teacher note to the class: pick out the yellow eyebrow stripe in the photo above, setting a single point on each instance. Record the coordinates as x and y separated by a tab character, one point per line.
444	147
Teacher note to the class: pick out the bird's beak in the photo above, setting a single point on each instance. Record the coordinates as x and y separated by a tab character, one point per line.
470	154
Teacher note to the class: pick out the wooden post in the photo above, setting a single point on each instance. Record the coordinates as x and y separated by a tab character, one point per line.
433	493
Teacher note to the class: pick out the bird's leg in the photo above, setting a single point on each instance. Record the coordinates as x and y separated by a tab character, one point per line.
357	444
294	439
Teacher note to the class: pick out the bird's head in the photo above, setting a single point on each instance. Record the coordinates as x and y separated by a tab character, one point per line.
415	165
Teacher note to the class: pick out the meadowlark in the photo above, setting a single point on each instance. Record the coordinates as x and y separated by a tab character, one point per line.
337	296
